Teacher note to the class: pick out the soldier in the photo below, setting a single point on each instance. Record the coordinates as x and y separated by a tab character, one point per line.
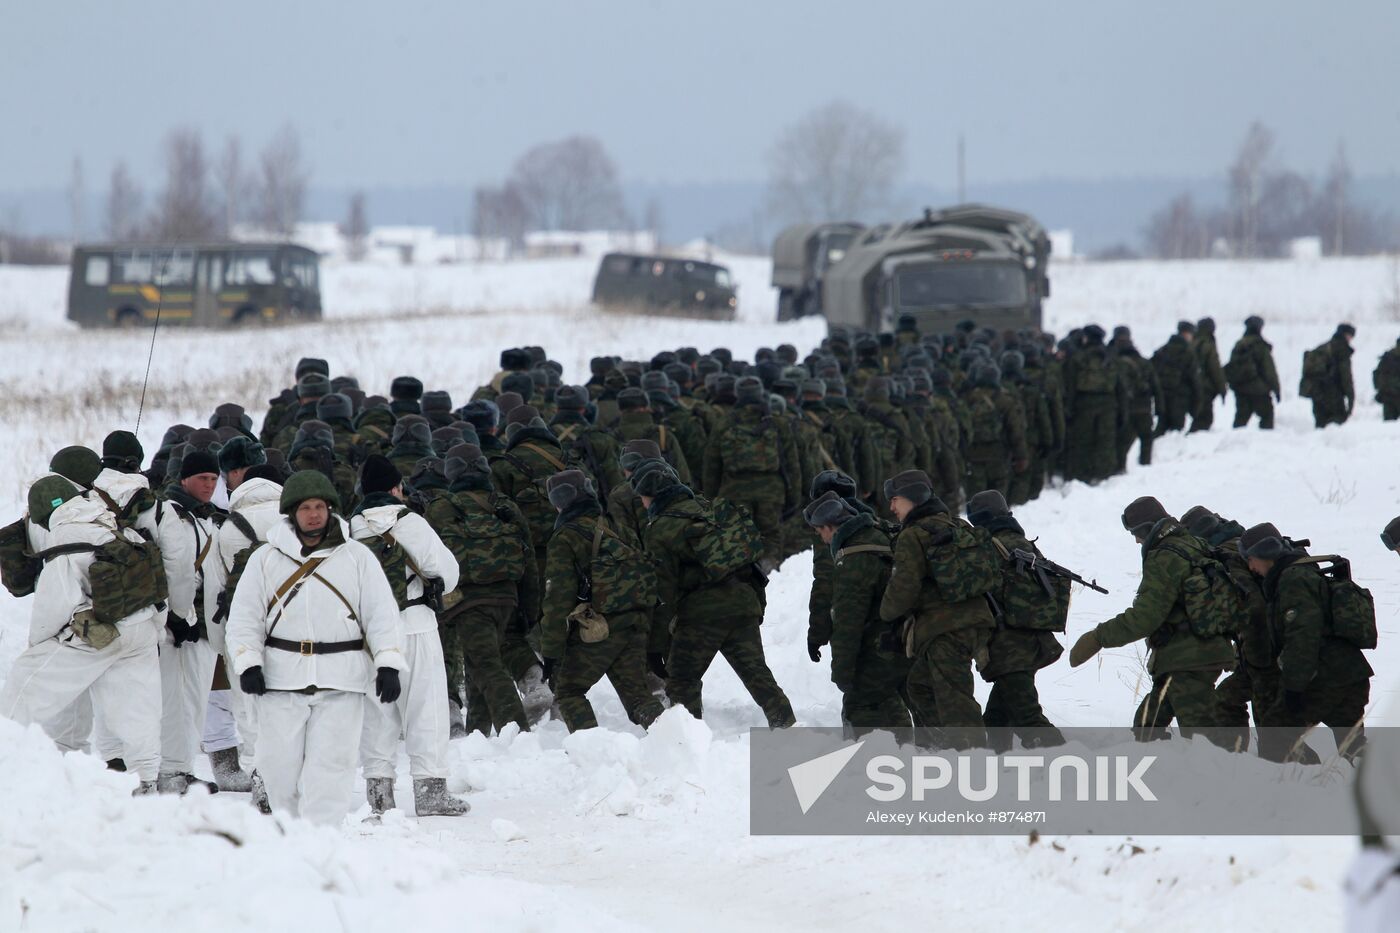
1324	677
1184	666
281	407
1024	640
374	426
869	676
1179	374
337	412
1212	376
1091	409
437	408
61	663
311	388
1142	392
405	393
417	564
598	449
753	462
597	607
887	429
314	449
499	584
849	423
942	624
1327	378
635	421
411	441
485	416
1046	376
1039	433
1252	377
289	649
703	616
1386	379
997	444
688	429
948	469
1255	677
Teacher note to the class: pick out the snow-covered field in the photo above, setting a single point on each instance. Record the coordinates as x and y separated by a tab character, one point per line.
616	829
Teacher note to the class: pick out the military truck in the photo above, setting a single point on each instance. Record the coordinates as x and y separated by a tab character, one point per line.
802	254
972	261
670	285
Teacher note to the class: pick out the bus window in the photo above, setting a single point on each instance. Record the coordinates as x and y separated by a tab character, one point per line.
134	268
176	268
301	268
250	269
99	271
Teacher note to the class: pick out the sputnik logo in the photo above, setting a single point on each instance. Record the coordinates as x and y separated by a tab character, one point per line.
811	778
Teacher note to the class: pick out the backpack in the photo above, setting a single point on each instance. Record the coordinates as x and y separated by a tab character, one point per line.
140	501
1351	610
126	576
724	538
985	417
235	571
19	569
1241	368
533	499
621	578
1316	363
1092	374
1215	603
962	561
752	450
1025	604
498	551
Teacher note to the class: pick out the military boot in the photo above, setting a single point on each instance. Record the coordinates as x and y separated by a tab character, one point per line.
535	695
379	792
144	789
430	798
228	773
455	729
260	794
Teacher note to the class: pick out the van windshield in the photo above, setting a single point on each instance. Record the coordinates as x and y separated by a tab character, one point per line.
957	284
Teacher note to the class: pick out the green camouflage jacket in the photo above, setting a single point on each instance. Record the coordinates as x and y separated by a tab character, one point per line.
1297	598
912	590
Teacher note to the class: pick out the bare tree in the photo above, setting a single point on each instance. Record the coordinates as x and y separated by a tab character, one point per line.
837	162
185	209
76	196
1284	211
282	180
1177	231
234	183
498	213
123	211
1333	204
355	229
1246	178
570	184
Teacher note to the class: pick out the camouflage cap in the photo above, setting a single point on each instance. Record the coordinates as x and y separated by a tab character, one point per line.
1142	514
47	494
832	481
78	464
828	509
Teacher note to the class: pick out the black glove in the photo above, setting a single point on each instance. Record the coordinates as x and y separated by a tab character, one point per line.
201	632
251	681
1293	703
814	651
892	640
548	665
180	630
657	662
386	685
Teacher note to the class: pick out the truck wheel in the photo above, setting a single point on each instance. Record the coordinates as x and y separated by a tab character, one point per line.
128	319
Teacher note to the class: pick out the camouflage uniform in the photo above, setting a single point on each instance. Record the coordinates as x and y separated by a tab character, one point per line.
1184	667
1142	393
687	428
1046	377
1255	678
1333	395
753	461
595	448
864	462
1386	379
1026	484
1092	413
998	438
889	434
621	656
1252	377
640	424
703	617
943	639
1179	374
1212	376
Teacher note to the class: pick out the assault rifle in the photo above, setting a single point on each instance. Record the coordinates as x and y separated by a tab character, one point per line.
1031	563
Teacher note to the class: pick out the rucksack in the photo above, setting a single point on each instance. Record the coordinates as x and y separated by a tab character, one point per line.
235	571
19	568
534	499
127	575
141	500
498	549
752	450
1025	604
621	576
724	538
1241	369
962	560
1351	610
1215	603
1316	363
1092	374
985	417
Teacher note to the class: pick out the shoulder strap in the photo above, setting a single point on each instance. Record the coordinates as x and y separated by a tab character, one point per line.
599	527
339	595
1001	548
407	558
244	526
812	416
882	549
203	552
291	581
58	550
479	498
662	442
568	432
553	460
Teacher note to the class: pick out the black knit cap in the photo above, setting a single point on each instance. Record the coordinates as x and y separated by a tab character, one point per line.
122	451
985	506
197	462
406	389
832	481
828	509
378	474
1142	514
1264	542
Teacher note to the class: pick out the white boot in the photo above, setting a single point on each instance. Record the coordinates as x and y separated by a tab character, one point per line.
535	695
430	798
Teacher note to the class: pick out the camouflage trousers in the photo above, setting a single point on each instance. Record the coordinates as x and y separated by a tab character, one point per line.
1013	657
1026	485
948	477
1339	706
1172	417
1247	685
492	700
694	645
1137	426
988	474
621	657
940	689
1204	416
1090	439
1186	696
1247	406
874	699
1329	409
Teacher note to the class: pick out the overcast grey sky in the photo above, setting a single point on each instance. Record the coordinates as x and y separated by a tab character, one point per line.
410	93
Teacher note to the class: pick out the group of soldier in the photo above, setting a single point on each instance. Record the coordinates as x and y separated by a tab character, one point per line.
366	569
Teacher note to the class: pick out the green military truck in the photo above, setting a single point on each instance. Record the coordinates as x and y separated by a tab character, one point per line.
802	255
971	261
665	284
209	285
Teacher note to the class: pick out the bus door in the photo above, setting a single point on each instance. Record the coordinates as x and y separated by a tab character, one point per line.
209	277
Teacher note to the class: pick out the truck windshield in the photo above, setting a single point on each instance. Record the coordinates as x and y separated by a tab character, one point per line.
999	284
